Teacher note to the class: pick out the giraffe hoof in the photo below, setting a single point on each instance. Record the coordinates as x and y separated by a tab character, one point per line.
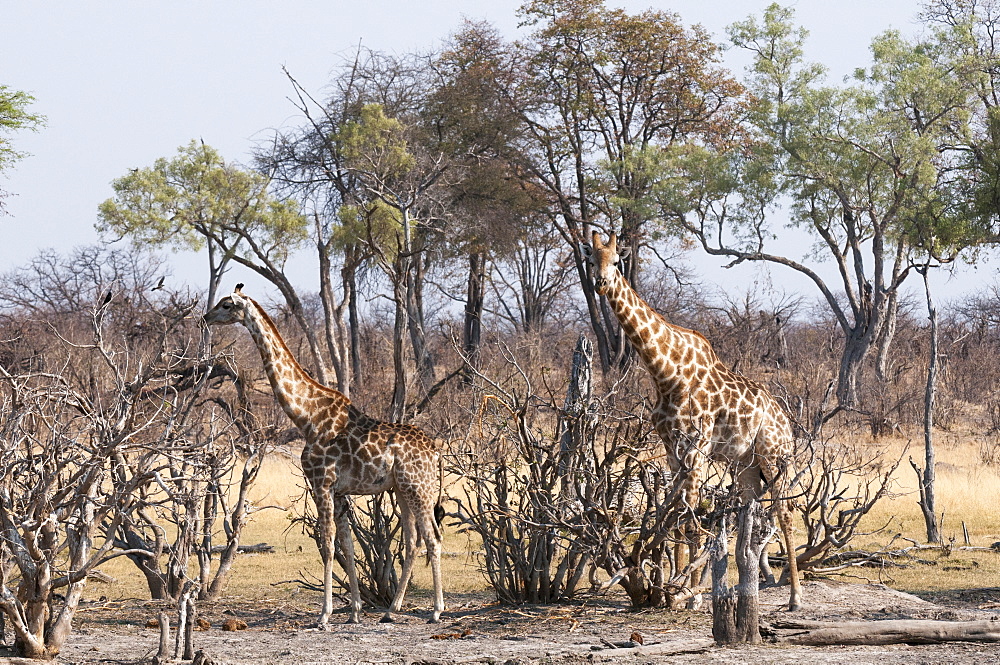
387	619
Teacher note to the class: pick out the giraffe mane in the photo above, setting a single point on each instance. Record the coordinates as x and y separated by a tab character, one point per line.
267	321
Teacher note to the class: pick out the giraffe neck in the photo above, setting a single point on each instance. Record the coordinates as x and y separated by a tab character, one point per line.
306	402
670	353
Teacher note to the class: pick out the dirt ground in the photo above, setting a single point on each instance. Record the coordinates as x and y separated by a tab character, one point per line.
476	631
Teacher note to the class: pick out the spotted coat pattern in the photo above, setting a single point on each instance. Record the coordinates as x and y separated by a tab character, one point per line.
347	452
704	410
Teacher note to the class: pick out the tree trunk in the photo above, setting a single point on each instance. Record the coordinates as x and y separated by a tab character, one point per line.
723	594
751	539
397	406
474	299
333	315
884	341
354	322
422	355
148	565
577	412
736	612
926	477
856	347
191	615
163	653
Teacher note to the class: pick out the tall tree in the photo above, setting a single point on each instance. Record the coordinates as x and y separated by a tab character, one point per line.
490	205
397	189
369	164
595	90
306	163
858	166
198	200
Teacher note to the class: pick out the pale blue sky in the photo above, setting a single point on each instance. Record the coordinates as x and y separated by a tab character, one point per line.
123	83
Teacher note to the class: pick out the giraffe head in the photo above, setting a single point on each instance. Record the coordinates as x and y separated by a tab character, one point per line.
604	258
231	309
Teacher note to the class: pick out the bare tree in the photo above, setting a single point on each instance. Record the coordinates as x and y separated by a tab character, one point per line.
59	505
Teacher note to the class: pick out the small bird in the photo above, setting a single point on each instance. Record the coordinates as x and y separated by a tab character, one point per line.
107	299
159	285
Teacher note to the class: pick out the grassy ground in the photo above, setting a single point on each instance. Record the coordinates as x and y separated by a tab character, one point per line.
968	491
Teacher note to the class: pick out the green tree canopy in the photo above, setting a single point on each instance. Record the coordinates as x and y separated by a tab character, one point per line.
868	169
197	199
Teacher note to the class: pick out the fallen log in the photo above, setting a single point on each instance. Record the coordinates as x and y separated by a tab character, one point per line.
259	548
899	631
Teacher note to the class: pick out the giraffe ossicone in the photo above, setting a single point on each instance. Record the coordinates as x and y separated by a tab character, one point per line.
704	410
347	452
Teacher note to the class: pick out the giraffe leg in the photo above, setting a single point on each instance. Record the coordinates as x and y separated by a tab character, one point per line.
409	555
784	516
325	524
692	536
341	514
785	523
432	539
765	568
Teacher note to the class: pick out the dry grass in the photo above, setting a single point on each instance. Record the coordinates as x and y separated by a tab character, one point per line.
968	491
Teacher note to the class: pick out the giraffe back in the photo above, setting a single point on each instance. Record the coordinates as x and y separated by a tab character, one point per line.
369	456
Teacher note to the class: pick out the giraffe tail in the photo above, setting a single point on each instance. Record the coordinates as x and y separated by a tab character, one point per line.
438	518
436	525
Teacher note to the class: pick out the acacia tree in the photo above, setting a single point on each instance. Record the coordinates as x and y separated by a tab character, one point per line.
397	198
373	177
594	89
858	165
14	116
197	200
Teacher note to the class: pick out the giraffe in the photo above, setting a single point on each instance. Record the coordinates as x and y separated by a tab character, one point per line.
704	411
347	452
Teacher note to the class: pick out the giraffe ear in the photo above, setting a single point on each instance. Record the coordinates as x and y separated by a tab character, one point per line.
624	252
586	250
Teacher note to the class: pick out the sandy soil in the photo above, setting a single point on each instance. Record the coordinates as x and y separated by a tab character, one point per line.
476	631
